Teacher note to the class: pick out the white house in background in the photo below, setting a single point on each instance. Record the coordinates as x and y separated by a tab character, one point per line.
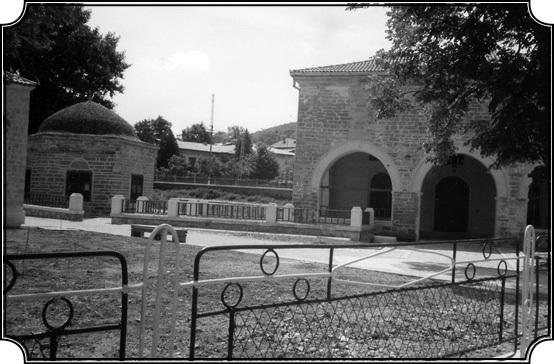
194	151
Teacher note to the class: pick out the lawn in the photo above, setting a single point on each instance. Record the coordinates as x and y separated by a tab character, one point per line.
404	325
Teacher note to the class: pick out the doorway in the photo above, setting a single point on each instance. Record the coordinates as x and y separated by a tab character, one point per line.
451	205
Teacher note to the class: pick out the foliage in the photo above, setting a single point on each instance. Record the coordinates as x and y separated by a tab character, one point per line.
196	133
243	144
266	167
158	131
71	61
448	58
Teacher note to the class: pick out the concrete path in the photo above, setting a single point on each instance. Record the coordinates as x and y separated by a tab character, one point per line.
416	263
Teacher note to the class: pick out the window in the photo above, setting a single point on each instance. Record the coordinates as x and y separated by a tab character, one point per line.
136	186
79	182
380	197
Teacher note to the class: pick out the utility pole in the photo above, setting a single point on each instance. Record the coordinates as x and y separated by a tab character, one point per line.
211	140
212	126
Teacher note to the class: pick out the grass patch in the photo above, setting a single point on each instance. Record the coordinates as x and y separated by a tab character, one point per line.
214	194
403	325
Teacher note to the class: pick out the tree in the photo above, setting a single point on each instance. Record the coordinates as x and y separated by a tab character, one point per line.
71	62
448	58
243	144
266	167
196	133
158	131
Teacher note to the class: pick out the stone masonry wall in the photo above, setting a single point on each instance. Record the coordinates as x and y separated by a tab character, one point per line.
334	110
111	159
15	138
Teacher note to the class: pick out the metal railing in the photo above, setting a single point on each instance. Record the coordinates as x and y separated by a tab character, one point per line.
419	318
222	210
66	306
225	181
46	199
152	207
313	216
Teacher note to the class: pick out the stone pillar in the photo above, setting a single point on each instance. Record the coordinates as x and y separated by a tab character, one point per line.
288	212
356	217
271	213
76	202
140	204
371	213
173	207
117	204
204	208
15	124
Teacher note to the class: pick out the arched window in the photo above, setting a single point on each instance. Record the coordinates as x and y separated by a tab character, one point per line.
380	196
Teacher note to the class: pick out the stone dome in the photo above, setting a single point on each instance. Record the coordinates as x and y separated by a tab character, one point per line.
87	118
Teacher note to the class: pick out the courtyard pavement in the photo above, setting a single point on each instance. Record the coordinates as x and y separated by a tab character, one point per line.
420	263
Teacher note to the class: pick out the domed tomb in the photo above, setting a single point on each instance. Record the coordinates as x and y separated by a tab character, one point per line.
87	118
88	149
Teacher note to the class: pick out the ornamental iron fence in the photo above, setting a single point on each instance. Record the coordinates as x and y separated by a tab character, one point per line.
46	199
459	307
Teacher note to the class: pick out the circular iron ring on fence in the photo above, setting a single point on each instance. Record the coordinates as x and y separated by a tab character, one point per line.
472	269
295	293
223	294
69	316
276	263
15	273
505	268
487	252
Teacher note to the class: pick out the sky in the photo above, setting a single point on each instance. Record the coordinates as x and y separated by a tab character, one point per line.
181	55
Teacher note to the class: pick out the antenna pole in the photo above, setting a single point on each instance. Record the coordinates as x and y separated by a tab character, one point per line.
212	126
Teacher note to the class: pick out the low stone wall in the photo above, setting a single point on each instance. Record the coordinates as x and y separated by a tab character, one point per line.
247	225
53	212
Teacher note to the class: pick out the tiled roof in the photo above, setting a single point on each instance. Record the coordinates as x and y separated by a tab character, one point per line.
201	147
10	77
366	66
289	152
285	143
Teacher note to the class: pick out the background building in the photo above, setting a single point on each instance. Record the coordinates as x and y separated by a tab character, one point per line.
89	149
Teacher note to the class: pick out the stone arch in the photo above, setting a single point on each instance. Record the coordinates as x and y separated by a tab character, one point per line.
79	164
335	154
498	175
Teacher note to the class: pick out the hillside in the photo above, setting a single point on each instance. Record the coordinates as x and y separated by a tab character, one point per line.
275	133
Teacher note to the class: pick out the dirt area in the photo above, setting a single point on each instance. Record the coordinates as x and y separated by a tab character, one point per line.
288	331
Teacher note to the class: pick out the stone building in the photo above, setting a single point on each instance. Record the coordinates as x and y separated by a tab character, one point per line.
89	149
17	92
346	157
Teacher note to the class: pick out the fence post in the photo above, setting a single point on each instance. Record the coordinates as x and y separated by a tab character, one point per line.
527	292
271	213
172	207
371	213
288	212
140	204
117	204
356	217
76	202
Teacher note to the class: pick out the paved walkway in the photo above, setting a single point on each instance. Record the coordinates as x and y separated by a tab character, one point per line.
417	263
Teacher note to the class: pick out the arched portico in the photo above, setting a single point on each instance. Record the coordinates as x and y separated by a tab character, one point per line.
344	149
488	191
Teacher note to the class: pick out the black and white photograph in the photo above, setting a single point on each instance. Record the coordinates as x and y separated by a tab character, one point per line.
276	181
